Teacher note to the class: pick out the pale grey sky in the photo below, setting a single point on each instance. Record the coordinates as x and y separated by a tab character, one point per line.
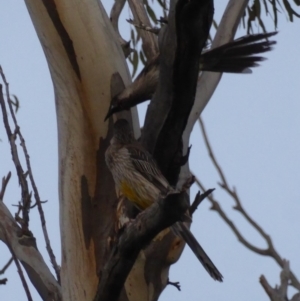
253	122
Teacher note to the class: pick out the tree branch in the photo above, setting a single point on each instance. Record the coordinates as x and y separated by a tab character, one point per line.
209	81
15	157
161	101
198	200
2	271
270	250
5	181
22	177
20	271
279	293
24	249
193	20
137	235
3	281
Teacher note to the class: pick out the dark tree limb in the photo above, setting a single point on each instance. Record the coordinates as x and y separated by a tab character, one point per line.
162	99
175	284
198	200
6	266
136	236
193	20
15	157
3	281
2	271
5	181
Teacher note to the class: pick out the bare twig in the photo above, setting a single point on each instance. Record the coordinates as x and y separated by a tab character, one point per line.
3	281
22	177
279	293
199	198
143	26
2	271
5	181
175	284
270	250
216	206
15	157
35	204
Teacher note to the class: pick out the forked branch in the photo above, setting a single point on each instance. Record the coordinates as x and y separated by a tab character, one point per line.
270	250
135	236
280	292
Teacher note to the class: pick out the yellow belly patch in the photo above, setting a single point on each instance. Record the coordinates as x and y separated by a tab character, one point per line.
131	194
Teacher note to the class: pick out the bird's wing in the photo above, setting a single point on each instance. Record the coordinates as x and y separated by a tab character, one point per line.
144	163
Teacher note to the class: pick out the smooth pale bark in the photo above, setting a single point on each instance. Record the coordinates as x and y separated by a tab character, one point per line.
82	53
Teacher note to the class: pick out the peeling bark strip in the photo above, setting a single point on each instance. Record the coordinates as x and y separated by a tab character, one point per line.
65	38
136	236
193	21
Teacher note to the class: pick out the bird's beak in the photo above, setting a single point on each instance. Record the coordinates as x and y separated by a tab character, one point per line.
112	110
109	113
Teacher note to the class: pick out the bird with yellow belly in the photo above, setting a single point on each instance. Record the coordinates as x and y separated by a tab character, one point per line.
139	179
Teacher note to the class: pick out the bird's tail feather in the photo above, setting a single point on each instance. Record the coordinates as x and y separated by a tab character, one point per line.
237	56
184	232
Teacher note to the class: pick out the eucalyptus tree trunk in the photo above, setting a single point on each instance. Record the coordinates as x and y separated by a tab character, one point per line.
83	53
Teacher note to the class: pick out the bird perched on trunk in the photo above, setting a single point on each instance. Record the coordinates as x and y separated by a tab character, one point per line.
139	179
237	56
